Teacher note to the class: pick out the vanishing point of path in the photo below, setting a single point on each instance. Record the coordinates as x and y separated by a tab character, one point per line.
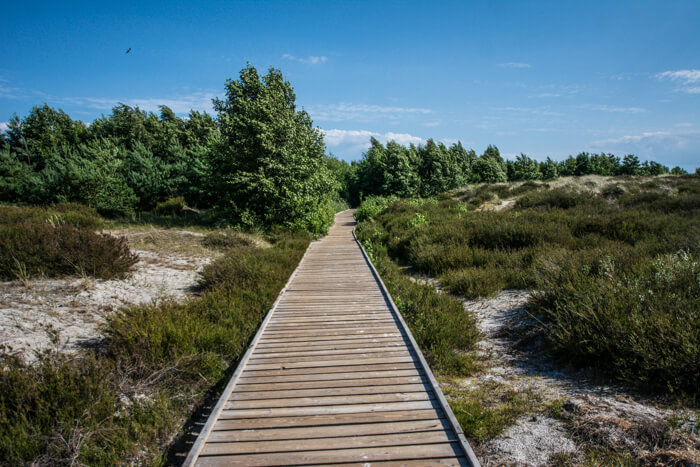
332	377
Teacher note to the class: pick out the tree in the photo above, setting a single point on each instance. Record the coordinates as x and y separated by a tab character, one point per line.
270	166
524	168
630	165
487	169
548	169
678	171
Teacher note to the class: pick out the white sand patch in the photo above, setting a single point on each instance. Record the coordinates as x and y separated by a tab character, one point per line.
66	314
531	441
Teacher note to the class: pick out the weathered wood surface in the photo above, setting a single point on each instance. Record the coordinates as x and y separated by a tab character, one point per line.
332	377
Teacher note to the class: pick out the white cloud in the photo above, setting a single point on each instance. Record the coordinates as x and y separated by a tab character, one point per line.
350	144
3	127
670	147
615	109
528	110
346	111
336	137
684	76
179	104
310	60
515	65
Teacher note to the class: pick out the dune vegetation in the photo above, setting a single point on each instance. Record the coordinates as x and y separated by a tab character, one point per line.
615	269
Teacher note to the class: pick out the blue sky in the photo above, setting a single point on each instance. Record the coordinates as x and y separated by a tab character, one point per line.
546	78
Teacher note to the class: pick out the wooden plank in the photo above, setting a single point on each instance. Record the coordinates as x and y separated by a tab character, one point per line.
329	409
330	355
332	391
242	388
325	339
331	350
445	461
331	431
340	442
253	378
327	400
247	372
329	363
327	420
369	455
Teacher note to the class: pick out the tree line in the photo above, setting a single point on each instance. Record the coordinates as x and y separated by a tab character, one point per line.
433	168
259	162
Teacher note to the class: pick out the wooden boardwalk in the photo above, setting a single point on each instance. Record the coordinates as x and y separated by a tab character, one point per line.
332	377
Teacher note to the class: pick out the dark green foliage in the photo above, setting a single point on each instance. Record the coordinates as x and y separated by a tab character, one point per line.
617	273
29	249
637	318
271	167
59	241
524	168
122	405
561	198
226	240
128	161
63	213
170	207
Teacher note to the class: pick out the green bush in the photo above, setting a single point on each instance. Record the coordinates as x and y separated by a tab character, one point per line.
373	205
29	249
171	207
561	198
227	240
636	322
73	214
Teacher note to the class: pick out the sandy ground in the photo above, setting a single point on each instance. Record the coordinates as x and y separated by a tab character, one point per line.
66	314
607	414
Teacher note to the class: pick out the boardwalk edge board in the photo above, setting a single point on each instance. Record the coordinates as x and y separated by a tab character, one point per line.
464	444
219	407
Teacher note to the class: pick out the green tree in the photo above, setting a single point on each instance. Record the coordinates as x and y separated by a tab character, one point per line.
487	169
548	169
270	166
524	168
678	171
630	165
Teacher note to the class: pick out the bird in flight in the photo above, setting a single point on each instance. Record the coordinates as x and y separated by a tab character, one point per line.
128	50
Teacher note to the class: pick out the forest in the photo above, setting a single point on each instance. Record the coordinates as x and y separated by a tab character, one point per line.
258	163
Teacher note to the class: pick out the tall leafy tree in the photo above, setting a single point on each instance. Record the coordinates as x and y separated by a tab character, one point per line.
270	166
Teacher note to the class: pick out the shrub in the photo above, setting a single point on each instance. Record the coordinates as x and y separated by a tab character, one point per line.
638	323
171	207
473	282
557	198
73	214
40	248
373	205
227	240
